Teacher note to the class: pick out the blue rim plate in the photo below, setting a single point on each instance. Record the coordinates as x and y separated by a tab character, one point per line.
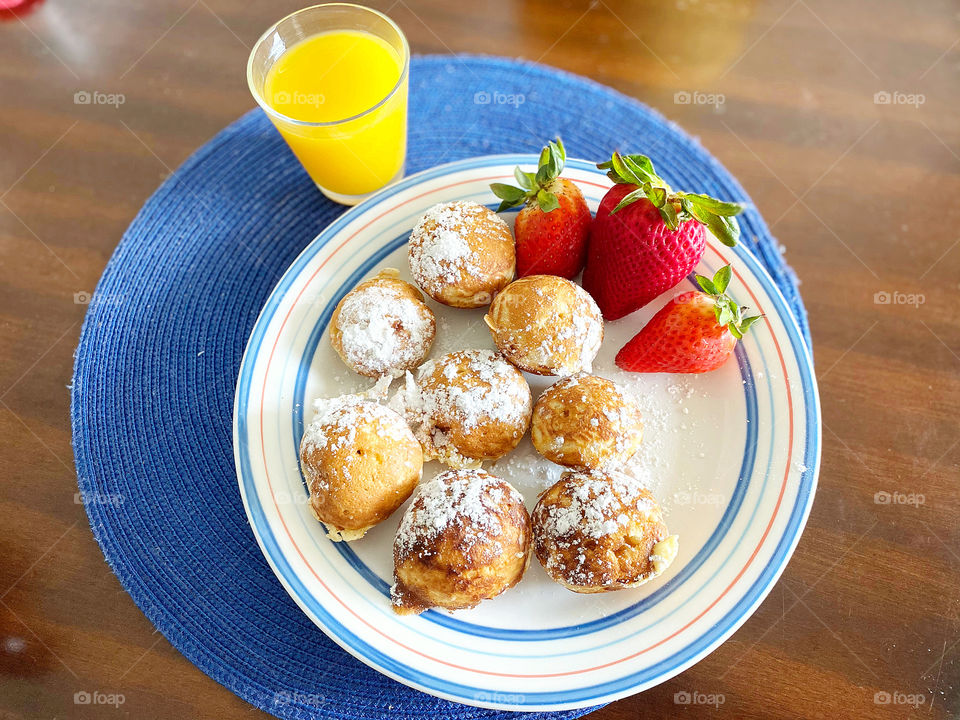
732	455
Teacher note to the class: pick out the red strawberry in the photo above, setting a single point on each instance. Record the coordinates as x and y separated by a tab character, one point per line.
694	333
646	238
553	227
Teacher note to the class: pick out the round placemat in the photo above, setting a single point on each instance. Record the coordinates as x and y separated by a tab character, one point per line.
160	349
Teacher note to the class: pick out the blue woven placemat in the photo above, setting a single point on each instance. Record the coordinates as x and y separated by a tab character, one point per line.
161	346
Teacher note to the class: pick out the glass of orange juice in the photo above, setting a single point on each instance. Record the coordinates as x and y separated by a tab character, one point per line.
333	80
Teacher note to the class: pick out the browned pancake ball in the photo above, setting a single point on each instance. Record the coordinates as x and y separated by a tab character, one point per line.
584	421
598	531
382	326
461	254
465	538
468	406
546	325
360	461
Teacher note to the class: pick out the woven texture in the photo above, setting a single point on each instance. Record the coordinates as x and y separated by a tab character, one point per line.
161	345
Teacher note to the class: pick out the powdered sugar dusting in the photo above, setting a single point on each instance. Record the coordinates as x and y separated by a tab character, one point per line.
596	505
337	419
587	328
472	387
470	500
384	331
440	253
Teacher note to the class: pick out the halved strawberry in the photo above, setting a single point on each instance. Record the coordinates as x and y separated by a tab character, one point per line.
552	229
647	237
694	333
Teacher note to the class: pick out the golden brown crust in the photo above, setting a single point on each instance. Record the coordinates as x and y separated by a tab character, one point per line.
599	531
465	538
546	325
469	406
584	421
461	254
387	327
361	462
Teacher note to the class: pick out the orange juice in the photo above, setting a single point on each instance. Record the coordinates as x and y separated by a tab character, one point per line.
350	131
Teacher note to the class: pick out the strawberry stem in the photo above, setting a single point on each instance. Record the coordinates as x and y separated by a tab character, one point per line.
533	186
729	314
716	215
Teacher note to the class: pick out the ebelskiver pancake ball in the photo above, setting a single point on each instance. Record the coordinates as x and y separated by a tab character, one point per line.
585	422
382	326
361	462
466	407
466	536
461	254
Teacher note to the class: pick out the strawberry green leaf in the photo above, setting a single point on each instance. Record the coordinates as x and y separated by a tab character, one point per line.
731	230
669	214
725	229
747	322
510	196
562	149
642	165
625	174
507	192
628	199
722	279
707	285
547	201
717	207
525	179
531	185
544	156
558	155
728	313
658	196
543	174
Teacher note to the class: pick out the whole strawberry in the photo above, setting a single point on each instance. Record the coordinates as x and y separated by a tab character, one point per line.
552	229
646	237
694	333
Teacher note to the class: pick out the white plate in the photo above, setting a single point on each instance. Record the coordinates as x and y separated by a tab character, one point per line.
732	455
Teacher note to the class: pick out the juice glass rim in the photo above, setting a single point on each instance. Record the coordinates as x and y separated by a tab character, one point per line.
258	95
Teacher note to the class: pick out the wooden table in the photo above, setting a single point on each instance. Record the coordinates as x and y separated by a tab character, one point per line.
840	118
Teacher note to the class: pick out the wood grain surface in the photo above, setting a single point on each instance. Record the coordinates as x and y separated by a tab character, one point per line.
862	193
